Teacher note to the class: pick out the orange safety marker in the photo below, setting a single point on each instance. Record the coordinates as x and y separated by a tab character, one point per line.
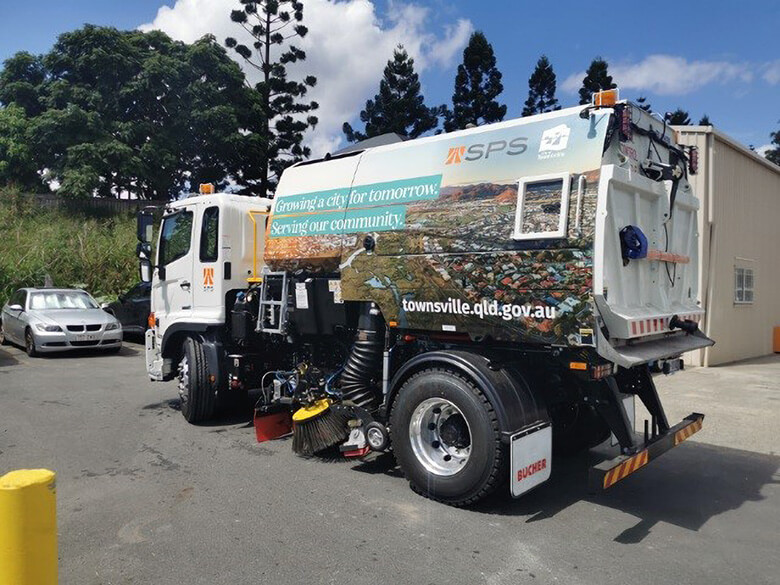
687	432
626	468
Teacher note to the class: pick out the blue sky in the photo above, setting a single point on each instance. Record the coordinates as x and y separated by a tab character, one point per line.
718	57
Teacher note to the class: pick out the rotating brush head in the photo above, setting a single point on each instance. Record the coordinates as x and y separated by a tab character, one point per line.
319	426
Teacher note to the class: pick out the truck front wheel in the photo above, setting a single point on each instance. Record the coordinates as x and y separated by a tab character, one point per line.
446	438
198	398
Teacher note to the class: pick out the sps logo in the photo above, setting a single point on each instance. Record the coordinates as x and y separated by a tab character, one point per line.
458	154
208	279
554	141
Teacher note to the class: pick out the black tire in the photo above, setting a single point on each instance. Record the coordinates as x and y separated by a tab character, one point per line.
577	427
485	467
198	397
29	343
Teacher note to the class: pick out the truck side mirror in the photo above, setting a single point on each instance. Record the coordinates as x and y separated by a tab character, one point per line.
145	270
144	225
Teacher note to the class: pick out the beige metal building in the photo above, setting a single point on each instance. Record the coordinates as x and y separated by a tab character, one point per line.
739	246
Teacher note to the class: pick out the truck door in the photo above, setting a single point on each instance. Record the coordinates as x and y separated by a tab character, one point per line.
172	290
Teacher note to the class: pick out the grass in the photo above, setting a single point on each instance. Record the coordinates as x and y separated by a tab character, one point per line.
76	249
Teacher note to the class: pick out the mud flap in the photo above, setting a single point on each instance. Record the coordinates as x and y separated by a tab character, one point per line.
531	454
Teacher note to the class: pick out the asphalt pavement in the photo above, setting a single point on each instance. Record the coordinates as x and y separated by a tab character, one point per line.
145	498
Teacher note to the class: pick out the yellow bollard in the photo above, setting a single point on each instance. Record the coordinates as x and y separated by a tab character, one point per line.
28	528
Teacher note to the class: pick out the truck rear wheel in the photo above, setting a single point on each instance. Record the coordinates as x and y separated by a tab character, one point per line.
446	438
198	399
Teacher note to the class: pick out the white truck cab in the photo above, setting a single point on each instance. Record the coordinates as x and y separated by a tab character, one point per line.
207	247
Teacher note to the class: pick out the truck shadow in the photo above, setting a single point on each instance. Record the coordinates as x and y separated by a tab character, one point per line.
685	488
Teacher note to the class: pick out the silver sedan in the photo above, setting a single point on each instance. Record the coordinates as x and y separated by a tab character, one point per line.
49	320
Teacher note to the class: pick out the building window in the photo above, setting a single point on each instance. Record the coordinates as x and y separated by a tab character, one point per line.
743	285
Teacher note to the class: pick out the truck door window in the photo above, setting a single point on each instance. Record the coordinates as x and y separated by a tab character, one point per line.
209	235
175	237
542	207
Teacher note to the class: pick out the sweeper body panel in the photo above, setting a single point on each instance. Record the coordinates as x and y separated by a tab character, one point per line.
468	301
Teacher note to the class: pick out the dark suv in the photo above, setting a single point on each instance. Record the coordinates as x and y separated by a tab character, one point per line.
132	308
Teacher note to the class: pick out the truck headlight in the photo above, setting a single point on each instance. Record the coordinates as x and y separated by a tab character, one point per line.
49	328
112	326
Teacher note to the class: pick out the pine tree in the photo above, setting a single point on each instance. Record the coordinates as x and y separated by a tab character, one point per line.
541	89
643	103
283	114
399	106
705	121
773	155
477	85
596	79
678	118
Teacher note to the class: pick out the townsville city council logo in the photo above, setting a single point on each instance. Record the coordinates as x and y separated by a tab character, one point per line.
554	141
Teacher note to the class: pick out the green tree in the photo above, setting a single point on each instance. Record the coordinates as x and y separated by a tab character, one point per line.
20	82
643	103
132	111
17	164
477	85
277	139
679	117
541	89
399	106
596	78
705	121
773	154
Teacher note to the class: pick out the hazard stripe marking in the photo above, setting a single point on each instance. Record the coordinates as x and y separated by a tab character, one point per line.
687	432
626	468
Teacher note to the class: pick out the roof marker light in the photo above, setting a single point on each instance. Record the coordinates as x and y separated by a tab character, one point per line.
605	97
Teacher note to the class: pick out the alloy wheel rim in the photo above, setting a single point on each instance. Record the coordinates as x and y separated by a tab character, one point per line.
440	437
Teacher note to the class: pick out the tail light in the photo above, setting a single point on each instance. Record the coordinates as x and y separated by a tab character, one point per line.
693	160
600	371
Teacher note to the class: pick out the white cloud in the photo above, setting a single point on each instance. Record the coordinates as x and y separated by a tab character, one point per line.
772	72
764	149
669	75
347	48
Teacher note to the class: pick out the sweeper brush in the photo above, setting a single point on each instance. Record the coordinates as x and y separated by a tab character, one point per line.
319	426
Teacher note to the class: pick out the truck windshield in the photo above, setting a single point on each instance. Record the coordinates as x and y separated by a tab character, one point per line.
175	237
61	300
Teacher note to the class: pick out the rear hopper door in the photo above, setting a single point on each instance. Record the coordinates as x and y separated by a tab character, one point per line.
638	298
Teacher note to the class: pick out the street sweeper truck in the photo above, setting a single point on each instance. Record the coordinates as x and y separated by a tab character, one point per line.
470	302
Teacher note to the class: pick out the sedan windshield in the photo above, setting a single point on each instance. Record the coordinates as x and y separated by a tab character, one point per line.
61	300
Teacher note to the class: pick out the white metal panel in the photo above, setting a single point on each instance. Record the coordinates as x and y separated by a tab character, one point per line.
638	299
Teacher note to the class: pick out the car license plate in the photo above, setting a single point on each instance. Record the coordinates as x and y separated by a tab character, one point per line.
85	337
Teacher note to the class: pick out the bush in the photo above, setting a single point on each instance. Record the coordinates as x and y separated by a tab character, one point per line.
76	248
